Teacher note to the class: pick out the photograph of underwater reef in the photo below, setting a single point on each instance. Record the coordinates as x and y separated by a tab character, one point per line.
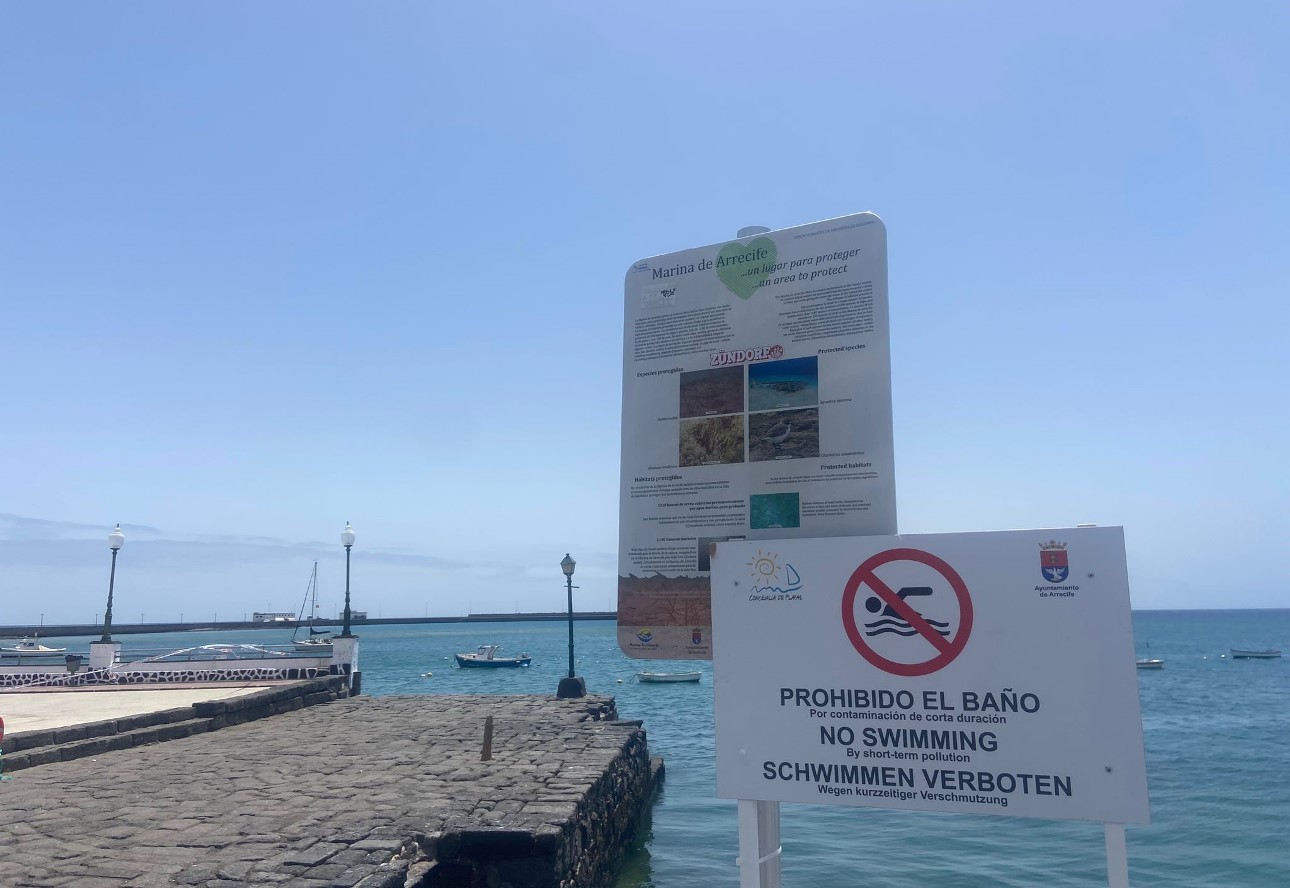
706	442
791	383
712	392
784	434
766	510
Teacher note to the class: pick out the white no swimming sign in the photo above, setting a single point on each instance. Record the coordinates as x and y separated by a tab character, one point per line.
982	673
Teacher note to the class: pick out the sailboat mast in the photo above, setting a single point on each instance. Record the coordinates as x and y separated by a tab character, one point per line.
311	588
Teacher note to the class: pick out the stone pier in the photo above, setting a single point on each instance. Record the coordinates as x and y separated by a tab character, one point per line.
356	793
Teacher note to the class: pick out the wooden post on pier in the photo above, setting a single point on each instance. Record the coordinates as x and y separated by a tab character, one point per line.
488	740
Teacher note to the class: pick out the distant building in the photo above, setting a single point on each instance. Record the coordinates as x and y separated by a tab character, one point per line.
272	617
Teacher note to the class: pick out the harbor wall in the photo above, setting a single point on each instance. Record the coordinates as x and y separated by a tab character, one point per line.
558	849
71	630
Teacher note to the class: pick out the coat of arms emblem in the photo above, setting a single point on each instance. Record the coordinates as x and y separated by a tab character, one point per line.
1053	563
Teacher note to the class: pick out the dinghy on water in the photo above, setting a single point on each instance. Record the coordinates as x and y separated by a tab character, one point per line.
1244	654
666	677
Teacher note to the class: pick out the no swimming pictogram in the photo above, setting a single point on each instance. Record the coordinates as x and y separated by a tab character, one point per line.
894	616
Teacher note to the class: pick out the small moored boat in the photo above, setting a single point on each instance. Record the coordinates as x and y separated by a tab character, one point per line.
486	656
1149	662
1243	654
29	647
319	640
666	677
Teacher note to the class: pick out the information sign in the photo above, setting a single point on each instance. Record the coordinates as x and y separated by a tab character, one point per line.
948	672
756	405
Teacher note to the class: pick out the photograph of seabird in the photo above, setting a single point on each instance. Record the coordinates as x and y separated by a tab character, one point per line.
784	434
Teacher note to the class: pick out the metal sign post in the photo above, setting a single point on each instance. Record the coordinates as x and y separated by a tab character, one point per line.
1117	856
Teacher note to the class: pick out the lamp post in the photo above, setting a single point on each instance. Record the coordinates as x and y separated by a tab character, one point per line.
570	686
116	539
346	540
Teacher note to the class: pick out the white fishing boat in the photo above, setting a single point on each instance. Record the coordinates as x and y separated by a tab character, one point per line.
485	656
1245	654
29	647
666	677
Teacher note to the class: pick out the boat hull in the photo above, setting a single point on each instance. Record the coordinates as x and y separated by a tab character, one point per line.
1239	654
1151	664
30	650
667	677
469	662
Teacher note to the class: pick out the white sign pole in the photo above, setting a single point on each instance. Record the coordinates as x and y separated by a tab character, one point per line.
759	846
1117	856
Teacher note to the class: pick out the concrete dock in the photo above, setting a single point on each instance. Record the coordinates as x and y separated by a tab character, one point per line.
356	793
45	709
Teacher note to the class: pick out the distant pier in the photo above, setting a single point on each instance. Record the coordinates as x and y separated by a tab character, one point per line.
66	630
425	791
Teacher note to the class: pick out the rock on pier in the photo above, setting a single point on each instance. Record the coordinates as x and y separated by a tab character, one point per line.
357	793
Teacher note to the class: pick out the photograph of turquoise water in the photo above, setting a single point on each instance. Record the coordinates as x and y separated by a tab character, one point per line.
1216	734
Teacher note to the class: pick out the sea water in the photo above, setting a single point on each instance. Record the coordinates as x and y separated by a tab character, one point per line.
1217	732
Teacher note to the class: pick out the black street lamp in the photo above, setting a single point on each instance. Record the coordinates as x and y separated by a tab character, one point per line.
346	540
116	539
570	686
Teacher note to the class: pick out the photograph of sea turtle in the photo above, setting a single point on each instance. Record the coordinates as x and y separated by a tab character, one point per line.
767	510
712	392
784	434
790	383
712	441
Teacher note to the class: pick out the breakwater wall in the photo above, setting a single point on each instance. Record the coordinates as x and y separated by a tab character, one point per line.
70	630
413	792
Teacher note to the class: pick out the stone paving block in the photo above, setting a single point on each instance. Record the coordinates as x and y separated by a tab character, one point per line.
152	880
314	854
198	875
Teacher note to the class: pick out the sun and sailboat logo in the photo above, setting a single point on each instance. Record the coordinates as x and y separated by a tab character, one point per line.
1053	561
773	581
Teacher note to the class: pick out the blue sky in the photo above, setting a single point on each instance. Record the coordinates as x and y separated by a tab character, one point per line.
265	269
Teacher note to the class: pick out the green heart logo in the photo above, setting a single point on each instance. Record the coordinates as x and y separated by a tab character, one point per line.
745	267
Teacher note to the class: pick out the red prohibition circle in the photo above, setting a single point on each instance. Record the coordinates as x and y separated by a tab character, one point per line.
948	650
